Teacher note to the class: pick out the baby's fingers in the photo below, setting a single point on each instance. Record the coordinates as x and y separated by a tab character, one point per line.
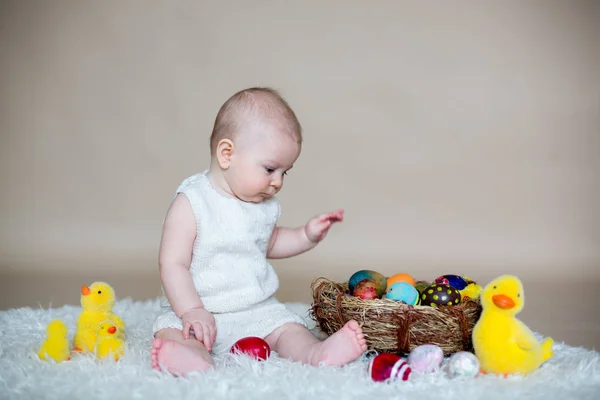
331	217
207	339
198	331
186	330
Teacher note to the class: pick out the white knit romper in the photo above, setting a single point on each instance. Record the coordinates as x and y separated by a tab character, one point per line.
229	266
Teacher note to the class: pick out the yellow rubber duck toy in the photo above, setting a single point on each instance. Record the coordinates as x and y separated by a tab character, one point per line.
97	302
503	344
56	344
109	342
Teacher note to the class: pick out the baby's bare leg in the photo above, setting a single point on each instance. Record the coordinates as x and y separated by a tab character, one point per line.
296	342
178	355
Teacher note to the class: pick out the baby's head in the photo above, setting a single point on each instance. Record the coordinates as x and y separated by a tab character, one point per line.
255	141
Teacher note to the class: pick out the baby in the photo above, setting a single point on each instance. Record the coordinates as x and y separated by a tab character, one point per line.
217	236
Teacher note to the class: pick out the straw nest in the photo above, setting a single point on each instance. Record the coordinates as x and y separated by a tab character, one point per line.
394	326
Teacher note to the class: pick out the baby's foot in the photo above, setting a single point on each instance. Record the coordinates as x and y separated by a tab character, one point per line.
178	358
342	347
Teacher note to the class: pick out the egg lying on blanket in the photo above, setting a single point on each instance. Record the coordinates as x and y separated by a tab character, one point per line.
388	367
426	358
404	292
440	295
252	346
462	365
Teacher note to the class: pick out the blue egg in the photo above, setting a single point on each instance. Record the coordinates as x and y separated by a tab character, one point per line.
402	291
456	281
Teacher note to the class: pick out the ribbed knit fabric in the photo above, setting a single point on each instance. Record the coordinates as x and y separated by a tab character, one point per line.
229	266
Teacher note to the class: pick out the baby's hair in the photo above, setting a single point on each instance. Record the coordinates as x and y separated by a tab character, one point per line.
248	105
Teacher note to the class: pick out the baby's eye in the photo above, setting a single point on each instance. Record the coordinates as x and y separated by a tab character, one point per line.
285	173
269	170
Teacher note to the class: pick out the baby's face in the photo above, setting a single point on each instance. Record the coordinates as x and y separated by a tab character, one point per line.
260	163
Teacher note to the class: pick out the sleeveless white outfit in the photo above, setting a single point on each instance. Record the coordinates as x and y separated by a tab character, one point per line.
229	266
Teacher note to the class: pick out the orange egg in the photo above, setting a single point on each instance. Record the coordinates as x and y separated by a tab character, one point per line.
401	277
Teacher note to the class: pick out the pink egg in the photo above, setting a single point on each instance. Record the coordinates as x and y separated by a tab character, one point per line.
426	358
366	289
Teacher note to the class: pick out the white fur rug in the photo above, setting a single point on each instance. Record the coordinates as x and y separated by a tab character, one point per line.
571	373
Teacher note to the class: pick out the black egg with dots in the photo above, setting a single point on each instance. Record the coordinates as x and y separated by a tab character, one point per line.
439	294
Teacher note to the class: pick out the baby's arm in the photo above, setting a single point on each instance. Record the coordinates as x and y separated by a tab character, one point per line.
288	242
174	259
175	256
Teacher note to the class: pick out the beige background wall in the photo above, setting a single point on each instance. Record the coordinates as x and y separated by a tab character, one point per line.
460	137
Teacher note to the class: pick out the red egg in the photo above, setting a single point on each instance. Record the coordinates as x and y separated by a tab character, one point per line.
253	346
366	290
388	366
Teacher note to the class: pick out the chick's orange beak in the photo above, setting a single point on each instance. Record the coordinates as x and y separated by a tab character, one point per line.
85	290
112	330
503	301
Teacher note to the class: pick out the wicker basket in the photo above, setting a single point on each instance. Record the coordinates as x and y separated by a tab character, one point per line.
393	326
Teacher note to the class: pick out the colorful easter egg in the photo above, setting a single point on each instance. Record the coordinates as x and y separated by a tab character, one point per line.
455	281
421	285
253	346
401	277
366	290
402	291
388	367
375	276
462	365
440	295
426	358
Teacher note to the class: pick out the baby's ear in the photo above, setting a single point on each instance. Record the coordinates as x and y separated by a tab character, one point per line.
224	152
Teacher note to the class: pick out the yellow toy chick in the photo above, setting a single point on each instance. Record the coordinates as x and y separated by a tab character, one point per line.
503	344
56	344
109	342
471	291
97	302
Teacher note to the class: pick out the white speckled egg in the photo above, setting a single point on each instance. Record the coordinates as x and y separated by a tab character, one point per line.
462	365
426	358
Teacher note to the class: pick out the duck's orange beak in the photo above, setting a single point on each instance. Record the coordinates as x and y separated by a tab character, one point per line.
112	330
503	301
85	290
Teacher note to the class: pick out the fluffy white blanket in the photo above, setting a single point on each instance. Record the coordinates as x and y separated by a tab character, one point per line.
573	373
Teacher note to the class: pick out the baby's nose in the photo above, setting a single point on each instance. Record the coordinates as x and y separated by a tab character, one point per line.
277	182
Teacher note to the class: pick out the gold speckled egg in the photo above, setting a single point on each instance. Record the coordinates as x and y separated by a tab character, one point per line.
439	294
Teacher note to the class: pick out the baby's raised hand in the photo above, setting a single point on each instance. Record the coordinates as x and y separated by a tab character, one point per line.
316	229
203	324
